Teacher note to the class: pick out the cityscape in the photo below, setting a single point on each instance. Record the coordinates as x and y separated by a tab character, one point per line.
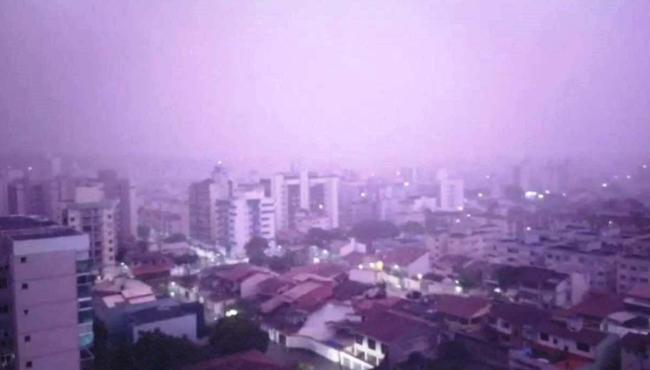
306	185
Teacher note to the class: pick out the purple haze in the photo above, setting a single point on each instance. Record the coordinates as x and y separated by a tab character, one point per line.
356	81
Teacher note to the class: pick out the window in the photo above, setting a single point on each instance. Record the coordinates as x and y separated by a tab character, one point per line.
358	339
543	336
384	349
23	259
583	347
28	364
26	311
25	286
28	338
372	344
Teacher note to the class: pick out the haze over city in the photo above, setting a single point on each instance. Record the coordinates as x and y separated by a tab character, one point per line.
325	185
326	81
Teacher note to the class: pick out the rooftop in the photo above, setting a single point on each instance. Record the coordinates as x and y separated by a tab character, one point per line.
32	227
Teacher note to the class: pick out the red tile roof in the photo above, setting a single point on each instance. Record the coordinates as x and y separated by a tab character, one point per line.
598	305
459	306
392	327
402	256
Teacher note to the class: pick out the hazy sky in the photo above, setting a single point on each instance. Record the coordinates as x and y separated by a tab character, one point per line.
356	81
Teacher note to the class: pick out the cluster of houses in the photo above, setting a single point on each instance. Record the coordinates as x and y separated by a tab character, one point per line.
553	293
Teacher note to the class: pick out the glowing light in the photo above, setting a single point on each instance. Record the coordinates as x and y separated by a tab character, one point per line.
528	228
316	260
458	289
231	313
407	184
458	220
564	195
380	265
530	194
629	177
363	194
497	290
469	215
321	206
419	276
480	195
644	166
610	222
360	267
540	196
460	208
396	267
372	265
547	192
604	185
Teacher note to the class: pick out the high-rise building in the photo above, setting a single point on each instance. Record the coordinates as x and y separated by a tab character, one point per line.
126	217
208	208
304	192
91	213
452	195
45	305
250	214
229	215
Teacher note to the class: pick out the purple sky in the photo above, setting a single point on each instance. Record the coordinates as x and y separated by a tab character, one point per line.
357	81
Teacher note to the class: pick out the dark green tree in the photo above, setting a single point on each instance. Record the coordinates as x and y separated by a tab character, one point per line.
236	334
413	228
255	250
368	231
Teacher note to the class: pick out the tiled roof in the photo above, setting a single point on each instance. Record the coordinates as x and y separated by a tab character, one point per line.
558	329
391	327
598	305
402	256
518	314
459	306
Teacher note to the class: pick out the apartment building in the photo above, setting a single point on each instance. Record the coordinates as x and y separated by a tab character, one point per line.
303	191
45	285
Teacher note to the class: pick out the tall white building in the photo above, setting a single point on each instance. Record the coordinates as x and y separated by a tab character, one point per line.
91	213
46	314
307	192
229	215
452	195
251	214
208	208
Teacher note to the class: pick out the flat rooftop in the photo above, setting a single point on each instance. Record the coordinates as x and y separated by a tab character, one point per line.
31	227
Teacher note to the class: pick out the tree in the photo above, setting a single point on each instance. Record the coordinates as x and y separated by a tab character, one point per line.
280	264
255	250
153	351
318	236
236	334
413	228
370	230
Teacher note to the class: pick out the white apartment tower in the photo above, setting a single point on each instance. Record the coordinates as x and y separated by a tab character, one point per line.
452	195
91	213
307	192
45	304
251	214
208	208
